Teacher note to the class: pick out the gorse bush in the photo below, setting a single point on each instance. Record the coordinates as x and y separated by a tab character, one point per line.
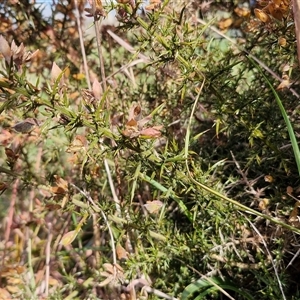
155	159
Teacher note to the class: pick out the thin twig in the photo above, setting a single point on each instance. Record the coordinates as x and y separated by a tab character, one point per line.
128	47
128	65
97	239
294	257
86	69
112	188
9	223
104	84
269	253
29	244
99	48
296	10
48	257
240	48
207	278
252	191
158	293
98	209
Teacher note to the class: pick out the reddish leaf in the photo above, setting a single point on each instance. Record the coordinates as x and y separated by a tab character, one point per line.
11	155
150	133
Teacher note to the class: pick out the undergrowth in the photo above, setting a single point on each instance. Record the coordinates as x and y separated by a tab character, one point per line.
156	158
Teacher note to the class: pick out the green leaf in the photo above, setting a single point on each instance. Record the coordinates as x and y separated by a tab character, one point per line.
285	117
204	287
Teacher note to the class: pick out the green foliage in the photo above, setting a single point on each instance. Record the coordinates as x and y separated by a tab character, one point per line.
167	164
209	286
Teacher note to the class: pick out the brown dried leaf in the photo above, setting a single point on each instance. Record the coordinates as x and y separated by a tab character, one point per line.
9	271
242	12
153	4
98	12
150	133
17	51
131	129
5	136
144	121
261	15
57	190
106	281
275	11
52	207
55	71
286	68
53	281
29	56
11	155
134	127
282	41
13	289
225	23
284	83
5	49
78	144
151	7
109	268
4	294
289	190
121	252
3	186
119	268
294	216
263	204
97	89
61	183
268	178
64	201
135	113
